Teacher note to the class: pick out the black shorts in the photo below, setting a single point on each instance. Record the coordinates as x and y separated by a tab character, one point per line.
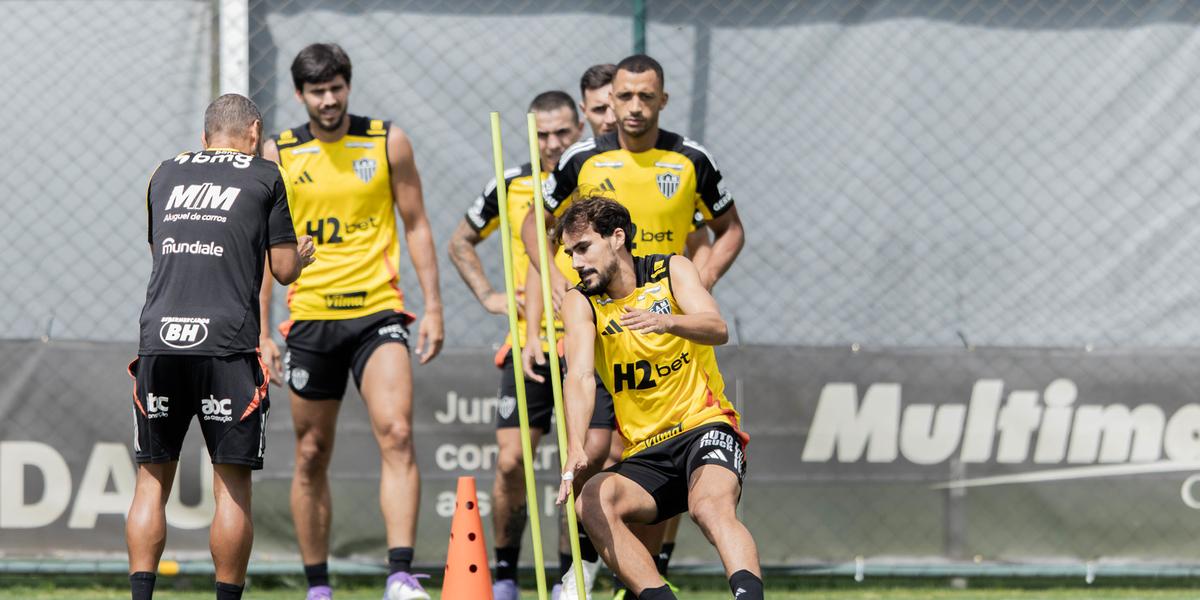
227	393
604	416
539	399
321	353
665	469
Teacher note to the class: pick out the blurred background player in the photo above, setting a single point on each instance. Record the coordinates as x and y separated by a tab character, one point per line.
352	174
649	325
558	127
595	91
669	184
680	185
197	354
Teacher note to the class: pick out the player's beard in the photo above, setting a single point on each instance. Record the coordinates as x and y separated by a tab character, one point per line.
647	125
603	278
605	129
550	161
315	117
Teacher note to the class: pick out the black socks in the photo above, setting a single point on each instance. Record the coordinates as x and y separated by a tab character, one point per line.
228	591
400	559
142	585
587	551
317	574
506	562
564	564
664	557
746	586
658	593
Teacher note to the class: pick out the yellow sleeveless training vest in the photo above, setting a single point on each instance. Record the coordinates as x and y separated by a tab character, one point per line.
662	384
343	198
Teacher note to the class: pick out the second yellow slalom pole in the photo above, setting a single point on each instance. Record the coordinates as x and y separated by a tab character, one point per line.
560	420
518	372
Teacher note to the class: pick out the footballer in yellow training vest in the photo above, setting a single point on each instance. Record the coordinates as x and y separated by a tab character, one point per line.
669	190
484	218
344	200
662	385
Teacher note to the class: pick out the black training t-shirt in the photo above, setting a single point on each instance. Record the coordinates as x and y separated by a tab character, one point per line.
213	215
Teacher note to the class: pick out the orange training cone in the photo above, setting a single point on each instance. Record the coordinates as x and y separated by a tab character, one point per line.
467	574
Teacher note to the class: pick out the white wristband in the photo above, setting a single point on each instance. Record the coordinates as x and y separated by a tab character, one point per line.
568	476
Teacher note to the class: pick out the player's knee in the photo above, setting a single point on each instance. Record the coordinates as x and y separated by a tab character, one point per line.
509	465
596	454
313	452
709	512
597	501
590	515
395	439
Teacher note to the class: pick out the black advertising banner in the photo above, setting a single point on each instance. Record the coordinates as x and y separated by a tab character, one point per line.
997	454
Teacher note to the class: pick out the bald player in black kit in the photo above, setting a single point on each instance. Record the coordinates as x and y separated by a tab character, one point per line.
214	217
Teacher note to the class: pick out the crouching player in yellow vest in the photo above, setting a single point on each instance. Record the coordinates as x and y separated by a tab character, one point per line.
647	325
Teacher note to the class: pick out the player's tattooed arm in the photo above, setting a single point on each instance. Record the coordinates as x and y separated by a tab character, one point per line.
579	386
406	192
729	239
461	249
701	320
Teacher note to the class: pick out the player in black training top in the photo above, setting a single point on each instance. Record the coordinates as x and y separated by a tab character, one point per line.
214	216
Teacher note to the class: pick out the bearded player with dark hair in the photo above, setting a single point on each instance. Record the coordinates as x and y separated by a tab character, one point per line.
353	175
648	325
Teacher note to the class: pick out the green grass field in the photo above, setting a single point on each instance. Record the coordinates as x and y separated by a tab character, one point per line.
867	593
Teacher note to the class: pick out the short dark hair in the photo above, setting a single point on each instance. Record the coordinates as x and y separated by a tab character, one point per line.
318	63
640	63
599	213
554	100
596	77
231	114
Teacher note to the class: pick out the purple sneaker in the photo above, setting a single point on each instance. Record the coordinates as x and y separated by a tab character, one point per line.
505	589
404	586
320	592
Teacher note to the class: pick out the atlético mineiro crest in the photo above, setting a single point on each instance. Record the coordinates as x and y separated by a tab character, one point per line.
661	307
365	169
667	184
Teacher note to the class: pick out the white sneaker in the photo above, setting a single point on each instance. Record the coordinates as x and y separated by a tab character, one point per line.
569	590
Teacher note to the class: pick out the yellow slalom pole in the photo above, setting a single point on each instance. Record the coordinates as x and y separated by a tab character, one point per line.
518	372
560	420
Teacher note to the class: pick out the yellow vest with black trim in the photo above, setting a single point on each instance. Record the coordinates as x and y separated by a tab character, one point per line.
484	218
344	200
669	190
662	385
